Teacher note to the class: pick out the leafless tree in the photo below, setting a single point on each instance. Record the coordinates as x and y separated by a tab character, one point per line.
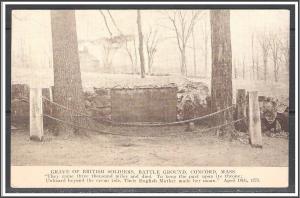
141	45
264	43
23	60
194	53
111	44
244	67
107	46
182	24
130	48
235	68
152	39
275	46
205	34
285	51
114	22
105	22
129	41
253	56
257	67
109	50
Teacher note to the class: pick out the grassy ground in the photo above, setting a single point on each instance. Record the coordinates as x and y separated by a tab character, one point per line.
170	146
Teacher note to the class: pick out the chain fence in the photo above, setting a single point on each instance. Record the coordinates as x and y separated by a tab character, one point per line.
134	124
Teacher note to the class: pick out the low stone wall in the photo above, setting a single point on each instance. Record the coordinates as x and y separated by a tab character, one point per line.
98	103
20	105
158	104
189	100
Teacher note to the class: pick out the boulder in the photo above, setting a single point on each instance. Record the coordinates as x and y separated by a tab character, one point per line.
274	114
192	100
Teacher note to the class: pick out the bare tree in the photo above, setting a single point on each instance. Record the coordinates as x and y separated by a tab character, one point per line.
206	37
114	22
130	48
107	46
285	51
182	25
110	47
194	53
68	89
141	49
235	68
257	67
106	23
128	39
23	61
253	56
244	67
221	79
151	46
275	54
265	47
111	44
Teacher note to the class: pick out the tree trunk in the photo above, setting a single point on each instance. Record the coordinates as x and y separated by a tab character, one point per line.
149	64
275	71
141	49
253	61
67	77
235	70
287	55
243	69
221	80
135	56
194	53
265	68
205	50
183	62
257	70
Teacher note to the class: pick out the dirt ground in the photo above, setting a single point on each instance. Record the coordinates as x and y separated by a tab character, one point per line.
170	146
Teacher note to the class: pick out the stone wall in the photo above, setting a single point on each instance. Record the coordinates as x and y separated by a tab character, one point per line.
20	105
160	104
148	104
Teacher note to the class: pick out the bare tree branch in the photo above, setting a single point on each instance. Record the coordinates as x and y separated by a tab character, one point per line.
152	39
183	26
106	24
264	43
114	22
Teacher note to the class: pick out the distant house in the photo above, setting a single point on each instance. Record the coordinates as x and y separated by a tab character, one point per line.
98	55
88	62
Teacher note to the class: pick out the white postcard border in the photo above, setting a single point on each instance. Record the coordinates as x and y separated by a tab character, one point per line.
3	102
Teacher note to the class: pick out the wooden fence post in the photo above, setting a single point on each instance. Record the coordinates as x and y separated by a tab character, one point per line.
50	94
254	123
36	114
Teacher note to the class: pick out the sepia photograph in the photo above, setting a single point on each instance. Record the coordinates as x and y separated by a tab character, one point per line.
150	87
151	97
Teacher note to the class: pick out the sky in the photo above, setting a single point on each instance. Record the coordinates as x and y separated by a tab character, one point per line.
31	35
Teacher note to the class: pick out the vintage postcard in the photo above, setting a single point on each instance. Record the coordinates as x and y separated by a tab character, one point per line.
150	97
